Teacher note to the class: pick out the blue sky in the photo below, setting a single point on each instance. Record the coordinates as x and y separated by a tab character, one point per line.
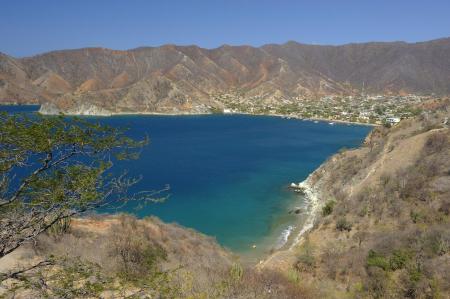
30	27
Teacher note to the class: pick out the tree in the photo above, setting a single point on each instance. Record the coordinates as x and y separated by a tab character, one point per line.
52	168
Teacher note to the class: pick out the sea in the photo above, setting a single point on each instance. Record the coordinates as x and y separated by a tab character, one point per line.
229	174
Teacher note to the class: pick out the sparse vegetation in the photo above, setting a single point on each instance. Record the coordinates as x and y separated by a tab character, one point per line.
342	224
392	200
305	259
327	209
146	259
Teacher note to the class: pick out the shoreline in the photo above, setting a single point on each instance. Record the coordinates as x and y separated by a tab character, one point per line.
314	202
287	116
18	104
312	197
110	114
225	114
343	121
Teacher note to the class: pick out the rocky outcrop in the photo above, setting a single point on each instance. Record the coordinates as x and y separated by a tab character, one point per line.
83	109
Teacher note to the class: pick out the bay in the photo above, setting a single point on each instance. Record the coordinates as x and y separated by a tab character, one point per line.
228	174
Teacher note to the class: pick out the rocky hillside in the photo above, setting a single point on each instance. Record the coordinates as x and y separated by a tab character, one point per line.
383	229
188	79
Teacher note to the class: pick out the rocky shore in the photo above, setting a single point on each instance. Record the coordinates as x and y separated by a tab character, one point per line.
314	199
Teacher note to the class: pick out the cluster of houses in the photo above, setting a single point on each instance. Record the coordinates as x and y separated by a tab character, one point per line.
374	109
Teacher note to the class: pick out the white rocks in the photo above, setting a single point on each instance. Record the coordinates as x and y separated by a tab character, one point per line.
49	109
83	109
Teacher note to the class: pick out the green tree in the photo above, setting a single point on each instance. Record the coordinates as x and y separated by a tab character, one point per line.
52	168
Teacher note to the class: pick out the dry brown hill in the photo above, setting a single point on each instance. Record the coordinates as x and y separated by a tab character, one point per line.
183	78
122	257
384	227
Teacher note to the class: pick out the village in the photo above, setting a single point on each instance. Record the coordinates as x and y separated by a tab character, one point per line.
368	109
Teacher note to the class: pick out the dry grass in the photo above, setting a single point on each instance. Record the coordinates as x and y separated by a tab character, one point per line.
153	258
395	194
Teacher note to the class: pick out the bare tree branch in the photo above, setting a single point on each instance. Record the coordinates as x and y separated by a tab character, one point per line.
18	273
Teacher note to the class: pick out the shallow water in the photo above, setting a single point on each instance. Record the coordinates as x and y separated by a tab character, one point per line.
229	173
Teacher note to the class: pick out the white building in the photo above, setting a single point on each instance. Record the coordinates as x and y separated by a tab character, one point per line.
393	120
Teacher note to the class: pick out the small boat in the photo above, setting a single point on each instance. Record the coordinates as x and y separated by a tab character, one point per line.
316	121
332	123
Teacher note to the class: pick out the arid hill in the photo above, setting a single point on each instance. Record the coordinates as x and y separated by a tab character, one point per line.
383	229
123	257
177	79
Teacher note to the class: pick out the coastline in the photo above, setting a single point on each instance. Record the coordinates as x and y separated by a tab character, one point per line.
343	121
18	104
301	118
312	201
110	114
281	257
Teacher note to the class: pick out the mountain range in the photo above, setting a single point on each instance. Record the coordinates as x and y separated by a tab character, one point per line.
189	79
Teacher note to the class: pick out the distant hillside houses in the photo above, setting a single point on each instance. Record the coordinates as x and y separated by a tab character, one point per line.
393	120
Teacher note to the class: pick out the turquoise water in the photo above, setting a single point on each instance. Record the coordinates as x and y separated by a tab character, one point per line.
228	173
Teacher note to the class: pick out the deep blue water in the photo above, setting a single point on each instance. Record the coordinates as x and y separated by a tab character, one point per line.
228	173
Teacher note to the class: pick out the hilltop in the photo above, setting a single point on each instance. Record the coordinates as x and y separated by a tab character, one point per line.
190	79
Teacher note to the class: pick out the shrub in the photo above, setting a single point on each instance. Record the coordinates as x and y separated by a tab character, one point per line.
413	285
399	259
293	276
236	272
138	256
364	211
343	225
378	284
413	184
328	208
445	208
305	260
436	143
216	110
415	216
437	242
375	259
60	227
